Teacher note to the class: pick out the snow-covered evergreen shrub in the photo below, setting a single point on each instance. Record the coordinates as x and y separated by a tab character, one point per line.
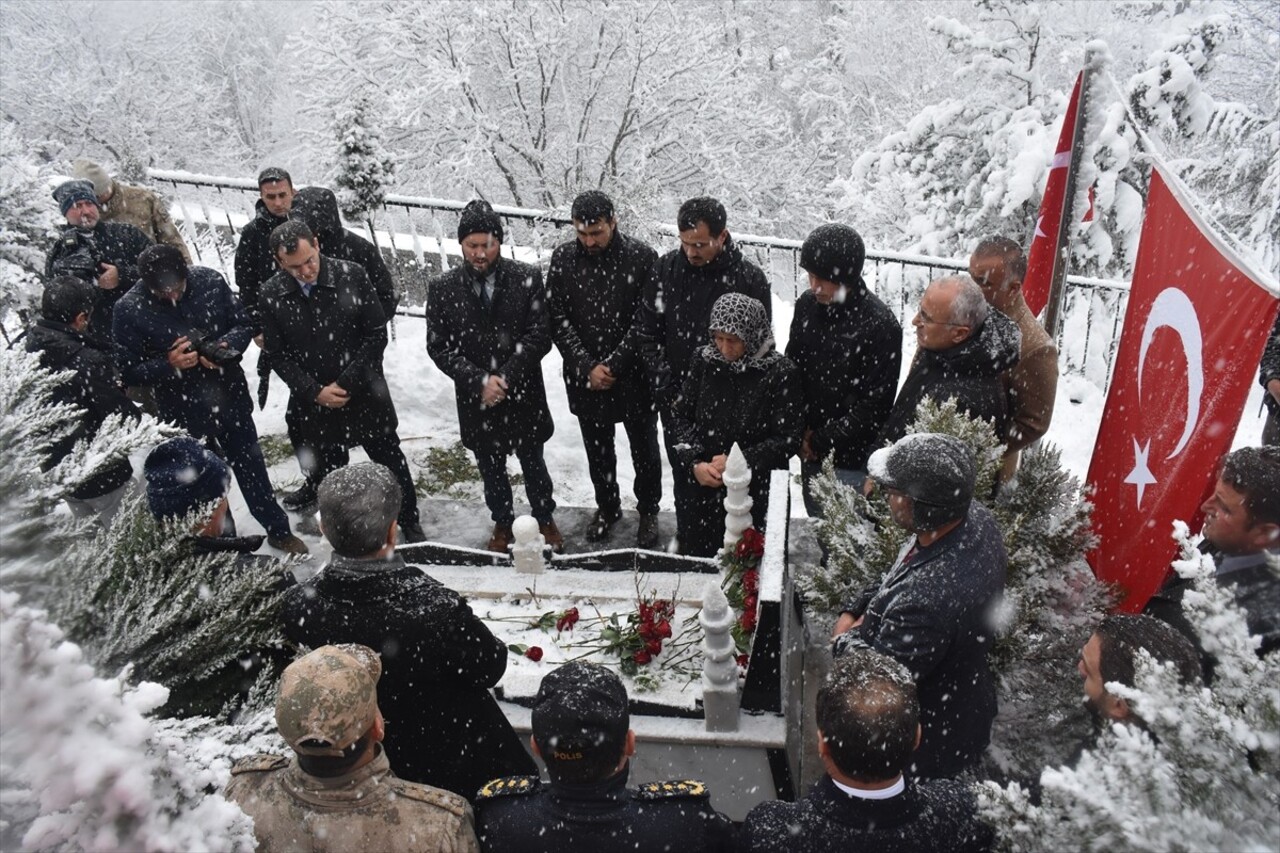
83	766
1202	776
139	595
1051	600
365	168
34	536
26	220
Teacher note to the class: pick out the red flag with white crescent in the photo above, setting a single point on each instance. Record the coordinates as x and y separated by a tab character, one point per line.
1044	244
1197	321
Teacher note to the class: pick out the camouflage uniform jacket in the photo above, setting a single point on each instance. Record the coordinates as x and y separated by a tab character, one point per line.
366	809
145	210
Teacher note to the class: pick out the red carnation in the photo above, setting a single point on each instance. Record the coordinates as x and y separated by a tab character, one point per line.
663	629
646	613
663	607
751	544
743	660
749	602
750	581
567	619
653	646
648	631
747	621
534	653
642	657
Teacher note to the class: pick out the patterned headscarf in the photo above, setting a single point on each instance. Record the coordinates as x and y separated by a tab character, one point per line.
739	314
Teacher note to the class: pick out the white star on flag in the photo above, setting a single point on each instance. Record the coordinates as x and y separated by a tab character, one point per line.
1141	475
1039	231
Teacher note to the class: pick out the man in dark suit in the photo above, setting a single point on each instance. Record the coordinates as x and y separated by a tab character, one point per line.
868	728
324	331
487	330
595	282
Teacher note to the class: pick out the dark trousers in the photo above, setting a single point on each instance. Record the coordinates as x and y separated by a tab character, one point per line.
702	531
1271	428
683	486
602	462
383	448
238	444
497	485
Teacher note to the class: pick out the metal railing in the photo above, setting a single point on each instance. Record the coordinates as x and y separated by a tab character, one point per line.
417	235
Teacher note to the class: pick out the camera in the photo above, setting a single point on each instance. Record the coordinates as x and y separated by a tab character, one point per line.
76	253
208	346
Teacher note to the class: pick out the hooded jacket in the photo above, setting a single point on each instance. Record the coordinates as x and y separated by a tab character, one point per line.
95	387
849	356
970	372
593	321
319	208
468	344
254	261
676	307
1269	368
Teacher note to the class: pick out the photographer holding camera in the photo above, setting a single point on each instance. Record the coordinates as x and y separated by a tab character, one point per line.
105	254
182	333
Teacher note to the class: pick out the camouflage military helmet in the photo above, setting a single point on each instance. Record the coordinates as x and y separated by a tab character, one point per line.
329	699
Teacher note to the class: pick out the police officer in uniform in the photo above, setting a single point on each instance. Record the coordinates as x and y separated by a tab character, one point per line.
581	729
338	792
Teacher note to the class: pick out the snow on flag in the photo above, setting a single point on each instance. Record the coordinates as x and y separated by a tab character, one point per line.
1197	321
1044	244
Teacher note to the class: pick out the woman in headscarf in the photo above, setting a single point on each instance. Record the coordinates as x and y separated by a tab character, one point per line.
739	389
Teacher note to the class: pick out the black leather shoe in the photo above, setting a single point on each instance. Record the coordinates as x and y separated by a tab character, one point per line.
299	500
601	524
413	533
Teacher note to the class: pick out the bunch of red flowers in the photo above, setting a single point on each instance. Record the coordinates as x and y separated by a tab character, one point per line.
639	640
742	584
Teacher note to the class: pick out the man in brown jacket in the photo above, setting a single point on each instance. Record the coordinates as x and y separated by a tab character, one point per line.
133	206
998	265
338	792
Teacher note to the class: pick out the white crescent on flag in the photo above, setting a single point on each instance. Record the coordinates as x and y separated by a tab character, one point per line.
1171	309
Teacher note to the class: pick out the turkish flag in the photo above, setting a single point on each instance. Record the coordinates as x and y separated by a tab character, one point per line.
1044	244
1194	330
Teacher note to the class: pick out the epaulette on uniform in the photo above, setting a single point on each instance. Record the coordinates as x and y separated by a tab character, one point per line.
260	763
668	790
446	800
508	786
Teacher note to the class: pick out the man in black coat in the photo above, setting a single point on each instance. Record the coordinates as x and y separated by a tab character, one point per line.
595	283
324	332
933	611
1269	378
444	728
181	333
868	726
964	347
65	341
105	254
676	306
255	262
581	728
318	208
487	330
847	345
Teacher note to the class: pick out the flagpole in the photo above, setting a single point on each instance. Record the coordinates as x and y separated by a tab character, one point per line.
1057	282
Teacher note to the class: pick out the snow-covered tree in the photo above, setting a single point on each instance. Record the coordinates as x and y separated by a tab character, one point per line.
1200	776
1051	600
84	768
26	220
365	169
